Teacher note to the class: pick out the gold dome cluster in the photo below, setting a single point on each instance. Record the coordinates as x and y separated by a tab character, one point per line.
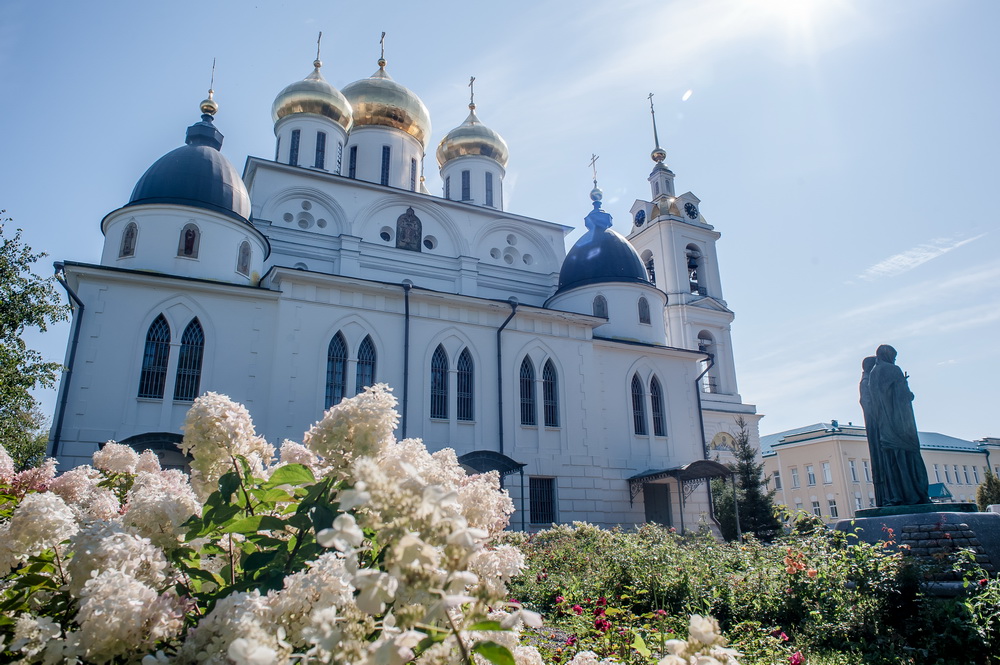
313	94
379	100
472	138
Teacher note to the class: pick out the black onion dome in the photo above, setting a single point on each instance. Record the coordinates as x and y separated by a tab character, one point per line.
601	255
196	175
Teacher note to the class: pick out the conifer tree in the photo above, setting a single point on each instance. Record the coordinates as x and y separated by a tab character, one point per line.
756	501
989	491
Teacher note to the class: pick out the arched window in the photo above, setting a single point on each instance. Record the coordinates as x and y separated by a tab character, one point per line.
550	395
243	260
128	240
154	359
366	365
189	362
643	310
706	344
601	307
638	406
465	385
336	370
651	269
659	417
695	268
439	383
189	241
527	392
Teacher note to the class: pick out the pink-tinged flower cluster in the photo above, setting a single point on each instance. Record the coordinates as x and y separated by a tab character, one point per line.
705	645
116	458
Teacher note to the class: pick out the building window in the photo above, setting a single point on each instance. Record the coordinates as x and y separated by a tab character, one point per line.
937	474
466	186
293	149
439	383
827	474
154	359
975	473
277	148
527	376
386	155
696	280
651	269
128	241
857	501
867	469
365	375
638	406
817	511
550	395
189	241
958	479
352	162
871	500
447	187
643	310
465	386
489	189
798	503
854	470
947	474
810	475
795	477
340	156
413	174
336	370
706	344
833	508
656	399
321	150
243	259
601	307
777	480
542	492
189	362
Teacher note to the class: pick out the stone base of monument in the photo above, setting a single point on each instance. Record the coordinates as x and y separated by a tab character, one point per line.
932	533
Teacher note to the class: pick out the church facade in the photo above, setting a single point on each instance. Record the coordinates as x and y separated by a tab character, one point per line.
598	381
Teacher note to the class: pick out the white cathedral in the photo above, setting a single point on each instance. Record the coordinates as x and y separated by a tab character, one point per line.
597	381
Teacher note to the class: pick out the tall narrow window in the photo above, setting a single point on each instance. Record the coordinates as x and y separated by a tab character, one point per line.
706	344
277	148
189	362
696	280
638	406
466	186
777	480
365	375
336	370
352	162
154	359
340	156
527	381
651	269
447	187
550	395
489	189
643	310
243	259
413	174
601	307
320	150
656	398
386	154
128	240
465	389
189	241
293	149
543	500
439	383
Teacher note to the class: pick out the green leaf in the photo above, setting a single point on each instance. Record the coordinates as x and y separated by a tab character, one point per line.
271	495
486	625
639	645
290	474
254	524
495	653
259	560
228	484
322	517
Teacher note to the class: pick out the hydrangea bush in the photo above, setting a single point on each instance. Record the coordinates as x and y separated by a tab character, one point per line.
352	547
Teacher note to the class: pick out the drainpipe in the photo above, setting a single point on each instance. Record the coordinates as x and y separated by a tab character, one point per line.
697	392
68	370
406	351
513	310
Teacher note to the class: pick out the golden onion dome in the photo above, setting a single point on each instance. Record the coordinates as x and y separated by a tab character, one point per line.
472	138
313	94
379	100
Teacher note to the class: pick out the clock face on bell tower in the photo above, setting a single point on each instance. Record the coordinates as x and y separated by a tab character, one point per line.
691	210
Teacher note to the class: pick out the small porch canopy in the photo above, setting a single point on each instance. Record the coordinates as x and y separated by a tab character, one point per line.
687	477
482	461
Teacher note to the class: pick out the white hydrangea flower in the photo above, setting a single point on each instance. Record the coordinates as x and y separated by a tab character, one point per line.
116	458
148	462
377	589
527	656
243	651
496	566
76	485
704	629
359	426
7	469
295	453
32	634
101	546
241	615
40	522
158	504
325	584
345	533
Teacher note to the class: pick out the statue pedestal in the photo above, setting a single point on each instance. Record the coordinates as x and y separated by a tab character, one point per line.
932	531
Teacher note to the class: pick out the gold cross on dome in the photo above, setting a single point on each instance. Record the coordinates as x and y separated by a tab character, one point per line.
593	165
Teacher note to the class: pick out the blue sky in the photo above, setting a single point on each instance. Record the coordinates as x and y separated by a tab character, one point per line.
846	150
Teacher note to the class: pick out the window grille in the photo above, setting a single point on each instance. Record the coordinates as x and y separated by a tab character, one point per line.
365	375
447	187
336	370
321	150
543	500
550	395
638	406
340	156
439	383
413	174
465	386
659	419
352	162
154	359
527	392
189	362
277	148
293	149
489	188
466	186
386	154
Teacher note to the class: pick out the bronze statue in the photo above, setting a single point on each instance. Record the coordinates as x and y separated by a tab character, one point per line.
871	429
904	476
